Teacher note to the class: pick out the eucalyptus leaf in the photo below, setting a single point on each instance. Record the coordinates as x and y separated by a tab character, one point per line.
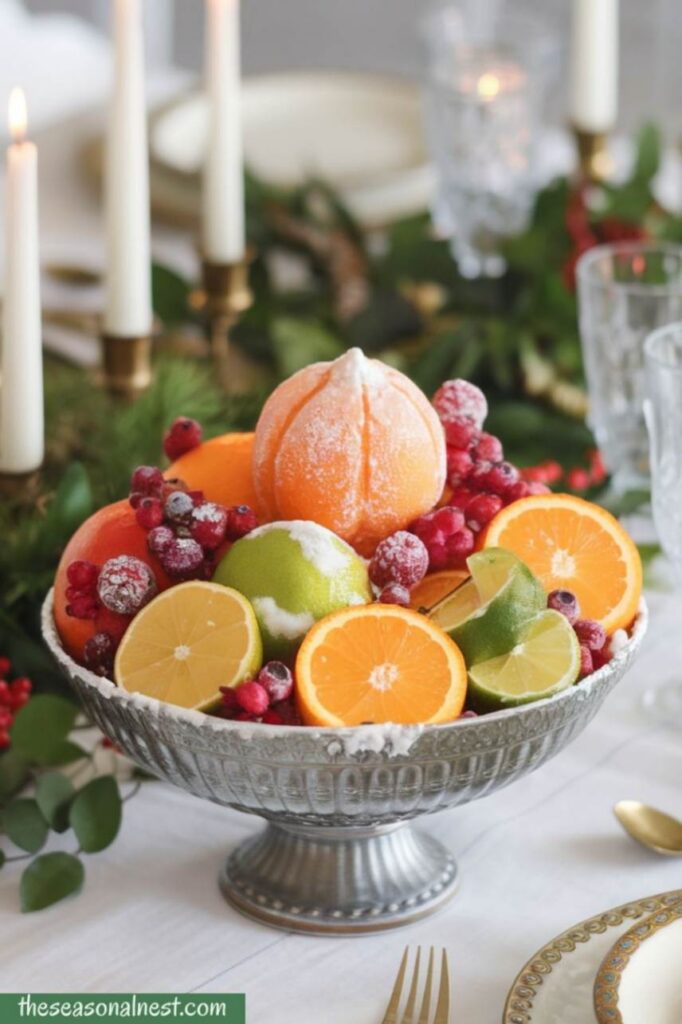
95	814
48	879
54	793
41	727
25	825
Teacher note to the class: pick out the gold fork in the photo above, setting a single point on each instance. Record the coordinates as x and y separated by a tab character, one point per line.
442	1012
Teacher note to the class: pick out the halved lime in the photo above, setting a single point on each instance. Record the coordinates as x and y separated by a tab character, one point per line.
485	615
545	661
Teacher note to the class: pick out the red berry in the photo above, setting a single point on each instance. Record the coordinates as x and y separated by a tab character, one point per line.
460	546
4	739
469	714
245	716
457	398
597	468
460	465
521	489
178	508
149	513
272	717
277	680
147	481
448	519
590	633
395	593
5	694
182	558
5	667
17	701
208	525
229	705
240	520
158	539
125	585
286	709
84	607
252	697
460	498
488	449
182	435
6	718
578	479
497	478
439	557
461	433
586	662
566	602
436	529
535	487
401	558
83	576
602	657
22	684
98	654
482	509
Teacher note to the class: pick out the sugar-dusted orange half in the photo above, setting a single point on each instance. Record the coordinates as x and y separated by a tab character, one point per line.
221	468
434	587
379	663
571	544
352	445
187	643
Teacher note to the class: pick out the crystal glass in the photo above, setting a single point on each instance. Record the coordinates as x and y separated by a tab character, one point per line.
483	103
625	291
663	414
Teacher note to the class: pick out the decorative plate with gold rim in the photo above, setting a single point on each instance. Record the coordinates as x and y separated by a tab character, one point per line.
639	978
556	986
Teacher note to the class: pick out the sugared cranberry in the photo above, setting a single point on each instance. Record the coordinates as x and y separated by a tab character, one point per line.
461	433
179	508
460	546
98	654
277	680
482	509
198	498
182	435
246	716
149	513
590	633
456	398
125	585
448	519
401	558
208	525
395	593
439	557
240	520
498	478
436	529
182	558
229	705
83	576
469	714
83	607
272	717
461	498
566	602
288	712
147	481
6	666
488	449
459	465
602	657
252	697
159	538
586	662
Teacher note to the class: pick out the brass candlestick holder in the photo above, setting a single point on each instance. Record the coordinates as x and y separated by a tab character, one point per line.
126	364
595	162
224	297
20	487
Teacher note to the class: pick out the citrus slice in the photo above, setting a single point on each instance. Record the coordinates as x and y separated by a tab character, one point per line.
485	614
571	544
187	643
434	587
545	661
379	663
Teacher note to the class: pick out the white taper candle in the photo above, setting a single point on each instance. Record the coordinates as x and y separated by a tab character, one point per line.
594	65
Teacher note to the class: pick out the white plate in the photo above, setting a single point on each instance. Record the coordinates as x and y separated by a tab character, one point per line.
361	133
639	979
557	985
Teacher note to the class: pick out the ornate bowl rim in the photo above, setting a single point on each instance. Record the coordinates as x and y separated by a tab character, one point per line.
109	691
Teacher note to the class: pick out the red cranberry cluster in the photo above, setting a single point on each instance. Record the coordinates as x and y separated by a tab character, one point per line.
399	563
267	698
13	696
578	478
594	649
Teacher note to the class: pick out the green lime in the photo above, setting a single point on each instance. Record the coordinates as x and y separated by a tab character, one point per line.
544	661
293	574
486	613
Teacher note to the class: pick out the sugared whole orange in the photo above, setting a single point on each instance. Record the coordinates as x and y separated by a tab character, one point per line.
353	445
110	532
221	468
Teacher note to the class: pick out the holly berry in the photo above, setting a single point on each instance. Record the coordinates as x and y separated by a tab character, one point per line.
240	520
482	509
208	525
460	398
395	593
6	718
182	557
5	667
182	436
566	602
4	739
149	513
252	697
98	654
125	585
578	479
5	693
83	576
277	680
178	508
401	558
590	633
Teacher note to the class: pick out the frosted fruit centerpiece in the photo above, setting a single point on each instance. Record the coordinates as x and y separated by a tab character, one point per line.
356	615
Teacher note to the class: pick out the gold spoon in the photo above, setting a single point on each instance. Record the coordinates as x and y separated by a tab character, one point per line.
653	829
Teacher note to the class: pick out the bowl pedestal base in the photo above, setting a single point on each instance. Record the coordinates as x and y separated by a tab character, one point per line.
339	881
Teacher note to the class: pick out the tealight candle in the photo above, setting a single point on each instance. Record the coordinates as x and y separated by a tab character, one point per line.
21	387
594	65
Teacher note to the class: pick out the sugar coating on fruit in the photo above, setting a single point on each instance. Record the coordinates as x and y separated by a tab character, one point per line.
279	622
619	640
125	584
456	399
328	554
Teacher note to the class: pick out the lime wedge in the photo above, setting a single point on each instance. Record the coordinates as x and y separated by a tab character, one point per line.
486	614
545	661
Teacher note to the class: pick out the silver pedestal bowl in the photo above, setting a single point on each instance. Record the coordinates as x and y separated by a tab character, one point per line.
338	854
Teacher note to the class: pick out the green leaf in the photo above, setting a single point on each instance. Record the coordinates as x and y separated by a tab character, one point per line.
297	343
648	158
48	879
170	296
647	552
629	502
25	825
95	814
72	503
64	753
54	793
41	727
13	774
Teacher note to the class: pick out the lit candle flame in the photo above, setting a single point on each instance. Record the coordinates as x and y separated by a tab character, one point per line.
18	117
488	86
